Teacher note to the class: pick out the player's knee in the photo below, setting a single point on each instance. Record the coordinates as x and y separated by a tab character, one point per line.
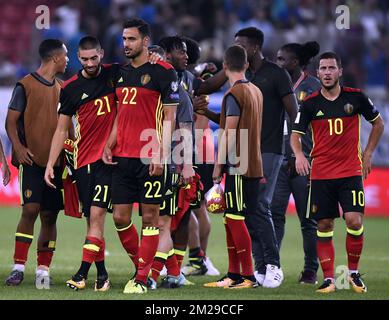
354	225
120	220
325	225
30	213
49	218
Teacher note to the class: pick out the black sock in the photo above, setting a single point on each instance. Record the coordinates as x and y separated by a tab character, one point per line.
101	271
251	278
84	269
234	276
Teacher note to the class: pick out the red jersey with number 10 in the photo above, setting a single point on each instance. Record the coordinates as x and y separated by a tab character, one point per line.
336	127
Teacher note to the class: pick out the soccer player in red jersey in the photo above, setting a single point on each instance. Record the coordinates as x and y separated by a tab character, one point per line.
89	97
147	100
338	165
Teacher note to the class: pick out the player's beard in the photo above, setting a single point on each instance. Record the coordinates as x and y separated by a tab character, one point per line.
330	87
133	53
93	73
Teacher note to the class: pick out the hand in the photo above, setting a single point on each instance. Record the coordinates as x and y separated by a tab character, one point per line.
217	173
154	57
155	169
49	175
107	156
200	104
366	164
302	165
24	155
6	173
187	174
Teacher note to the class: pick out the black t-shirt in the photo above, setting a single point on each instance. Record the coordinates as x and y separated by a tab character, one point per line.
306	87
275	83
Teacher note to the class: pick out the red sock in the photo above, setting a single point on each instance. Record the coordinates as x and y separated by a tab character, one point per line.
242	242
179	252
130	240
91	249
354	245
172	266
46	254
326	255
101	255
44	258
233	259
147	250
22	244
158	263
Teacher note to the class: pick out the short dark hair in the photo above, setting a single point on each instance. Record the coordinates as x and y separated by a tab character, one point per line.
48	48
253	34
89	43
141	25
303	52
157	49
171	43
331	55
193	50
235	58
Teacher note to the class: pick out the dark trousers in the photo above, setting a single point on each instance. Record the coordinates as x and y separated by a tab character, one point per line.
260	223
298	187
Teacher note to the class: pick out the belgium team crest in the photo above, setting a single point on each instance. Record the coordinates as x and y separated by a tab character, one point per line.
28	193
348	108
145	79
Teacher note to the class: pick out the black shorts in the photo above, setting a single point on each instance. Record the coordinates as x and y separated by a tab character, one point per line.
241	194
131	183
94	186
326	195
33	188
170	199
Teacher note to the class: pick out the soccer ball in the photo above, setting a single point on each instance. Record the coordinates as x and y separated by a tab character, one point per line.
215	200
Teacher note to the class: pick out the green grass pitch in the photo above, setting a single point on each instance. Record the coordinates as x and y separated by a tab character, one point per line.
71	233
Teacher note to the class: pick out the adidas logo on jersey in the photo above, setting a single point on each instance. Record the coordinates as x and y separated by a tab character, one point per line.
168	192
319	114
84	96
120	80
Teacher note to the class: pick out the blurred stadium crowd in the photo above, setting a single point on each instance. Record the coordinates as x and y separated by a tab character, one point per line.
364	48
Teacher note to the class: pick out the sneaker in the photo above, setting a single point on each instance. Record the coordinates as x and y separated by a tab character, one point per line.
307	277
151	284
242	284
135	287
77	282
273	277
260	277
357	283
193	269
211	270
102	284
171	282
42	279
328	286
221	283
15	278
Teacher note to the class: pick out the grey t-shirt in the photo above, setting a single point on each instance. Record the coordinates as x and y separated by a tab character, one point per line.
18	100
232	106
